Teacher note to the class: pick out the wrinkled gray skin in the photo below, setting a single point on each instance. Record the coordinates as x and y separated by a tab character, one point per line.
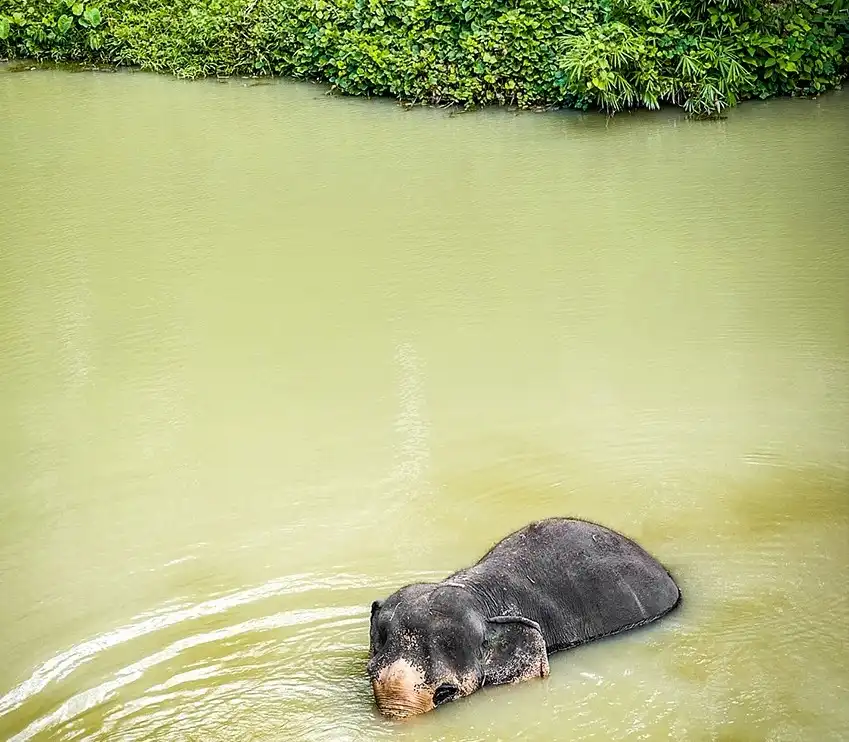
550	586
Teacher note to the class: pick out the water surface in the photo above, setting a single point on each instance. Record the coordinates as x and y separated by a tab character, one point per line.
267	355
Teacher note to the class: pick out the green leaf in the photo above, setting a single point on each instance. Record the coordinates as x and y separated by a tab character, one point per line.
92	16
78	8
4	27
790	66
64	23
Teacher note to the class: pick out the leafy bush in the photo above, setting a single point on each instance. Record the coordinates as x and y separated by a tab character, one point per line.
59	31
703	55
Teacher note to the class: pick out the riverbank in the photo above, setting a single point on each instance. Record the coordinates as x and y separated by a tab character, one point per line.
607	54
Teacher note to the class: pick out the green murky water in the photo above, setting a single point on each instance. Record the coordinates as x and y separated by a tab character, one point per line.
267	355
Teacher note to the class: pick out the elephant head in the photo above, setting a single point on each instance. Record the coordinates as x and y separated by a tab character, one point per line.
431	644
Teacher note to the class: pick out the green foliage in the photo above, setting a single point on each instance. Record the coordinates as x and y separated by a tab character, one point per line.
59	30
706	55
703	55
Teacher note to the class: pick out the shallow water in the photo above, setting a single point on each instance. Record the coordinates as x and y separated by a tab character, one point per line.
267	355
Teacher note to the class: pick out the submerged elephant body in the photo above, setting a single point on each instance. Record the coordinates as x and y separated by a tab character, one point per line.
550	586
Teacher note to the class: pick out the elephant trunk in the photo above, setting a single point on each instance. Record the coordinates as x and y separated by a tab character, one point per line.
400	691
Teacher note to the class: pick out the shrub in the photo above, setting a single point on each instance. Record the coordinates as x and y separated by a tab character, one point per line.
703	55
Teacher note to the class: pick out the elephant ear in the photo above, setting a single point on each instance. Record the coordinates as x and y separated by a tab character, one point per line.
373	638
514	650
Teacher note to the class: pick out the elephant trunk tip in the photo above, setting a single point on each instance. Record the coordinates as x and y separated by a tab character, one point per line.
400	691
403	705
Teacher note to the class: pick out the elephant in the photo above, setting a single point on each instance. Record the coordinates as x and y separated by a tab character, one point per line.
550	586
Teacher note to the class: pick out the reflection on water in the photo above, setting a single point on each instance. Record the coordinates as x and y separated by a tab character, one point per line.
268	355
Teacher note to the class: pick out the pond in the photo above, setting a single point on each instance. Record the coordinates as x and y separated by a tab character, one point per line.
268	354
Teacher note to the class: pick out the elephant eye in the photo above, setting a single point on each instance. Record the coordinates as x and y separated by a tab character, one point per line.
489	644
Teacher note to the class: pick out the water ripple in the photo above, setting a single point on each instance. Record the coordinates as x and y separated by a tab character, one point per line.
305	653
